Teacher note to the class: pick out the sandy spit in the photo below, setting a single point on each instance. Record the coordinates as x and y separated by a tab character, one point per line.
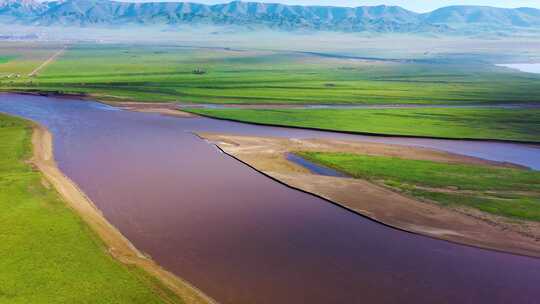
117	245
168	109
464	225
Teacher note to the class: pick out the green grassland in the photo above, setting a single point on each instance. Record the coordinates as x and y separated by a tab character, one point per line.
5	59
48	254
506	192
478	123
21	58
165	73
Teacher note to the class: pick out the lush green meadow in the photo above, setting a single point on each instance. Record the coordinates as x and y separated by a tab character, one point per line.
5	59
21	58
165	73
48	254
478	123
501	191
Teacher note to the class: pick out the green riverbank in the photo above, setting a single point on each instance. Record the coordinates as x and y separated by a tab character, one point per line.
513	193
458	123
49	255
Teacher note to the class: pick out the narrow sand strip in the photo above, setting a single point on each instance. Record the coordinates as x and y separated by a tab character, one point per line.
117	245
464	225
167	109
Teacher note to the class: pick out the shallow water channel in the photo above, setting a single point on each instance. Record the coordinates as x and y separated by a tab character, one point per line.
243	238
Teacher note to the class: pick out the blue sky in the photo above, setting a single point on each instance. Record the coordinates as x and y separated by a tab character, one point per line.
415	5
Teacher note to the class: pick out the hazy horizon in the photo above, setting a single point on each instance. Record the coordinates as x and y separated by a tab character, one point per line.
413	5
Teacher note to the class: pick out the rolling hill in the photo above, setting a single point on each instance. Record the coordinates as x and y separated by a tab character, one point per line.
380	19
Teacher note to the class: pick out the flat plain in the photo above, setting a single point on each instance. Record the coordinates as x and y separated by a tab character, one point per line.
176	73
259	75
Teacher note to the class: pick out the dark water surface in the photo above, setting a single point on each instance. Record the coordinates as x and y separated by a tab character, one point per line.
243	238
313	167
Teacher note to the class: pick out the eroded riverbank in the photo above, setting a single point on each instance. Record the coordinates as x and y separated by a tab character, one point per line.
242	238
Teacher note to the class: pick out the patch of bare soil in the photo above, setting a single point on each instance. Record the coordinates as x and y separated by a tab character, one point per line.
464	225
118	246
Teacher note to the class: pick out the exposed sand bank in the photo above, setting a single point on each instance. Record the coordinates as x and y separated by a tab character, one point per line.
117	245
463	225
169	109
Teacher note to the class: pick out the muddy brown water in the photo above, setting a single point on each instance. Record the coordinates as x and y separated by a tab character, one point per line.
243	238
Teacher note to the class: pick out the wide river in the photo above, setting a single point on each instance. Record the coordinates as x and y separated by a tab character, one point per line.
243	238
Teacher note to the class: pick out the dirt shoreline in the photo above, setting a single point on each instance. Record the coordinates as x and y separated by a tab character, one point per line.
464	226
117	245
168	109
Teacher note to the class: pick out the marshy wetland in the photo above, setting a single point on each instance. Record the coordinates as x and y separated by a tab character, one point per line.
252	239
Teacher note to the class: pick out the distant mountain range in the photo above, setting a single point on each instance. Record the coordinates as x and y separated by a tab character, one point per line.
381	19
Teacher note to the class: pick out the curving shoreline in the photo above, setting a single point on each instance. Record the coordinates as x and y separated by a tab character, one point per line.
225	222
463	226
117	245
123	250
